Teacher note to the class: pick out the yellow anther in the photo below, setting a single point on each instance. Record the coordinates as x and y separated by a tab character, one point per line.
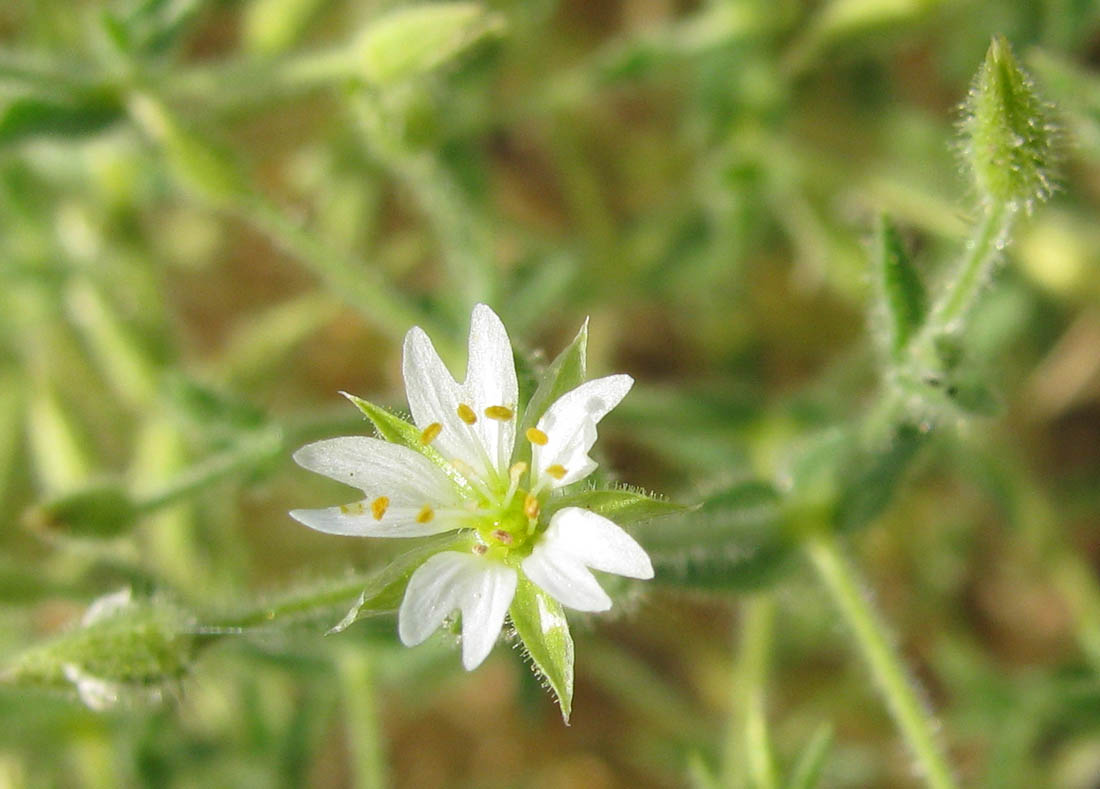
531	506
557	471
502	536
517	469
536	436
425	514
499	412
430	433
353	509
466	414
378	507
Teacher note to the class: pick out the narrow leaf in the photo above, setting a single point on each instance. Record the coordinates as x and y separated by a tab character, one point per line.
900	289
29	117
541	625
865	494
734	541
811	763
622	505
408	42
383	590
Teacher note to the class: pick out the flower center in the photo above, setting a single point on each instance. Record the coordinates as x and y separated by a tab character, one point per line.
507	530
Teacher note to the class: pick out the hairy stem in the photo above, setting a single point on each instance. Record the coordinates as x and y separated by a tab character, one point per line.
748	756
894	682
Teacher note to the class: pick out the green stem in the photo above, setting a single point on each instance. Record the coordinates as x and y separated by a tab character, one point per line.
461	231
982	252
319	600
361	710
363	287
748	751
249	454
895	683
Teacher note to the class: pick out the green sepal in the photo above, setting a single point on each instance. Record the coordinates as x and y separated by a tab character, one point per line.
566	372
734	541
901	290
383	590
541	625
396	430
408	42
808	769
621	504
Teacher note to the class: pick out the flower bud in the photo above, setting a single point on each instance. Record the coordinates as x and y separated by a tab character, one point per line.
121	647
1010	137
100	509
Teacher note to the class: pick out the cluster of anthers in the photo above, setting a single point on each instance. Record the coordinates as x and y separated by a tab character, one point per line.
464	477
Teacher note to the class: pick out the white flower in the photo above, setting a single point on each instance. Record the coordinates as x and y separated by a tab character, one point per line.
478	489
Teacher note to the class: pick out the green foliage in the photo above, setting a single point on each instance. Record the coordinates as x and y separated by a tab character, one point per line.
102	509
622	505
215	215
411	41
903	298
384	589
544	632
734	541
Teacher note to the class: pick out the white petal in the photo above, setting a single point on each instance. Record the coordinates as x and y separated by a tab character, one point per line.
480	588
566	580
483	612
491	380
576	540
570	427
379	468
357	520
598	542
434	396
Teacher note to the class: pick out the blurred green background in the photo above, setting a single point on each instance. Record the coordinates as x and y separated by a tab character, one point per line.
215	214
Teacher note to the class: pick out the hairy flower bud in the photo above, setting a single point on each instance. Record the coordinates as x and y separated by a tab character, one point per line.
1009	135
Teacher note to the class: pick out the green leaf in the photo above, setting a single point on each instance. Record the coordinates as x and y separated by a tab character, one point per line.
566	372
879	472
396	430
383	590
734	541
541	625
28	117
411	41
901	291
622	505
1010	137
811	762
